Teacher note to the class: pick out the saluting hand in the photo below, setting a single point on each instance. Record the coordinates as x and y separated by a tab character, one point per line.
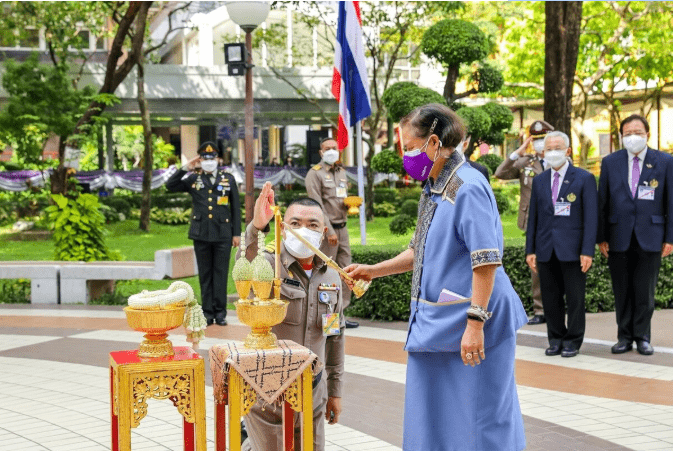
263	212
522	150
191	164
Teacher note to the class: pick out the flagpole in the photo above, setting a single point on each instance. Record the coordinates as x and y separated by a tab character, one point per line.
361	184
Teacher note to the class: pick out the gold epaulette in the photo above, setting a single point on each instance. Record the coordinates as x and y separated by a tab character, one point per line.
271	247
316	167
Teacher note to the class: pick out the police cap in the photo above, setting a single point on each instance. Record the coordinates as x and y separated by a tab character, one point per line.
208	150
540	128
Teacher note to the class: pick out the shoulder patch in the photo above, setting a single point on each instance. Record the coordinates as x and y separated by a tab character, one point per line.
317	167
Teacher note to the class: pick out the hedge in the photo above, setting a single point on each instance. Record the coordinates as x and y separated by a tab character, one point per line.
388	298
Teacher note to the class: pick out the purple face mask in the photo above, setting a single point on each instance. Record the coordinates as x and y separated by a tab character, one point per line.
417	163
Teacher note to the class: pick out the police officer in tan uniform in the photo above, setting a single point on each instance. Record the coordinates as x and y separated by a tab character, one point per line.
524	166
313	290
327	184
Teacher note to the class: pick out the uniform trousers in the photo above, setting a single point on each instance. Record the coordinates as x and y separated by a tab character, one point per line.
537	294
341	254
634	280
265	425
212	259
559	279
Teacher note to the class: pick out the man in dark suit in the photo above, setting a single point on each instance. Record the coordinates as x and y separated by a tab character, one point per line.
635	229
215	227
560	242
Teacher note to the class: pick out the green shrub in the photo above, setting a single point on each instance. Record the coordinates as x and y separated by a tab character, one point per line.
15	291
79	230
402	223
171	216
111	215
410	207
388	298
117	203
413	193
387	162
384	209
490	160
502	201
390	195
172	200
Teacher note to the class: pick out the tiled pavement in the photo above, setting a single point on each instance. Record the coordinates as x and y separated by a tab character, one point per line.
54	386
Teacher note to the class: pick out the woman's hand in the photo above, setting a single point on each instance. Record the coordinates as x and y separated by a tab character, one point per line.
358	271
472	344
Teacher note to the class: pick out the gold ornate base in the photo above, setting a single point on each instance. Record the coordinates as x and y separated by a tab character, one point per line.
261	339
243	288
155	345
262	289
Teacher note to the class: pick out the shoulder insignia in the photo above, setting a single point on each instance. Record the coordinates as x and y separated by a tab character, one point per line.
271	247
317	167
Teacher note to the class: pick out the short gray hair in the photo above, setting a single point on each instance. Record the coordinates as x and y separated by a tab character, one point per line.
555	134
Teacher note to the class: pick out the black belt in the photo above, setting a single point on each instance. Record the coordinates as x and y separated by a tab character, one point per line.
338	226
316	380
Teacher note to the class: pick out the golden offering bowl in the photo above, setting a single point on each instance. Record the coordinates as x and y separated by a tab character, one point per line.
261	316
155	323
243	288
262	289
360	287
353	203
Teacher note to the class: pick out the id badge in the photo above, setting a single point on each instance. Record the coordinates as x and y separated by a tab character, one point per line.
330	324
645	193
562	209
341	191
223	200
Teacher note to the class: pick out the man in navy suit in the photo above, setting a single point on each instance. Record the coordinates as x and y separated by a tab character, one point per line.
635	229
560	242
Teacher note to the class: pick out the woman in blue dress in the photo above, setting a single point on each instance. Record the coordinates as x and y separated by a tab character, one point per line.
460	389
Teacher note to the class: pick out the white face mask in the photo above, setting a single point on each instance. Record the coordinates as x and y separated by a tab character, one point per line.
634	144
555	158
538	145
298	249
330	156
209	165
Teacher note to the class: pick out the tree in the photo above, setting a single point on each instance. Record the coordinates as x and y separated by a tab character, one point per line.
403	97
562	38
454	43
387	162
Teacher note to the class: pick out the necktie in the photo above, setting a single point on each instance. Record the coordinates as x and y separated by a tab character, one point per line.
635	176
554	187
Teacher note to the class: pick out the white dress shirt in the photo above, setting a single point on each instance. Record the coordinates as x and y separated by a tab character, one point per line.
562	174
641	159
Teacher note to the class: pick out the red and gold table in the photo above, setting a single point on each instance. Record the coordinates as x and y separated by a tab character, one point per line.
179	378
235	385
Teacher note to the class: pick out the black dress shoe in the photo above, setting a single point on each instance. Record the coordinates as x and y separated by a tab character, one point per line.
644	347
622	346
221	321
210	322
569	352
536	319
352	324
553	350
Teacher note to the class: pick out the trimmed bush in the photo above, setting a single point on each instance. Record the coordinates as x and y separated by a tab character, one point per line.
410	207
402	223
388	298
502	201
490	160
384	209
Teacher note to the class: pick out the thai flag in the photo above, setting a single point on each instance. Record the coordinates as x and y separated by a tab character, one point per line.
349	83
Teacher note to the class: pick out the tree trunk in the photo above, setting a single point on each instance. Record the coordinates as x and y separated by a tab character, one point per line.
147	151
101	148
58	177
450	84
562	34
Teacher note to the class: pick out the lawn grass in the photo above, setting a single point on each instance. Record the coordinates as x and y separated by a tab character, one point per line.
137	245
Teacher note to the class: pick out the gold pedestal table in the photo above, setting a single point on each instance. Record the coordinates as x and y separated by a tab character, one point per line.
179	377
283	374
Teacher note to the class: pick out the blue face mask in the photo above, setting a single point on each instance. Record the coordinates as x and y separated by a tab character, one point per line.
417	163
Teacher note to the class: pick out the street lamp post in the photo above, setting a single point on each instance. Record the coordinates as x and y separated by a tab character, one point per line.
248	15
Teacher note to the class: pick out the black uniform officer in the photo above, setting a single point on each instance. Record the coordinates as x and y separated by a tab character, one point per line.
215	227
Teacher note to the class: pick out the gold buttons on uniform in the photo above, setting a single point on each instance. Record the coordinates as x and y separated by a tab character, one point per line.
210	191
210	199
210	216
226	220
210	207
194	217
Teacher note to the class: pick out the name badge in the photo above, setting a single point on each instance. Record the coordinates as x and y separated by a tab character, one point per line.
222	200
562	209
645	193
294	283
341	191
330	324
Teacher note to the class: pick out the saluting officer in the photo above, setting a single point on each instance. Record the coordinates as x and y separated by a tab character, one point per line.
314	293
525	166
327	184
215	227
